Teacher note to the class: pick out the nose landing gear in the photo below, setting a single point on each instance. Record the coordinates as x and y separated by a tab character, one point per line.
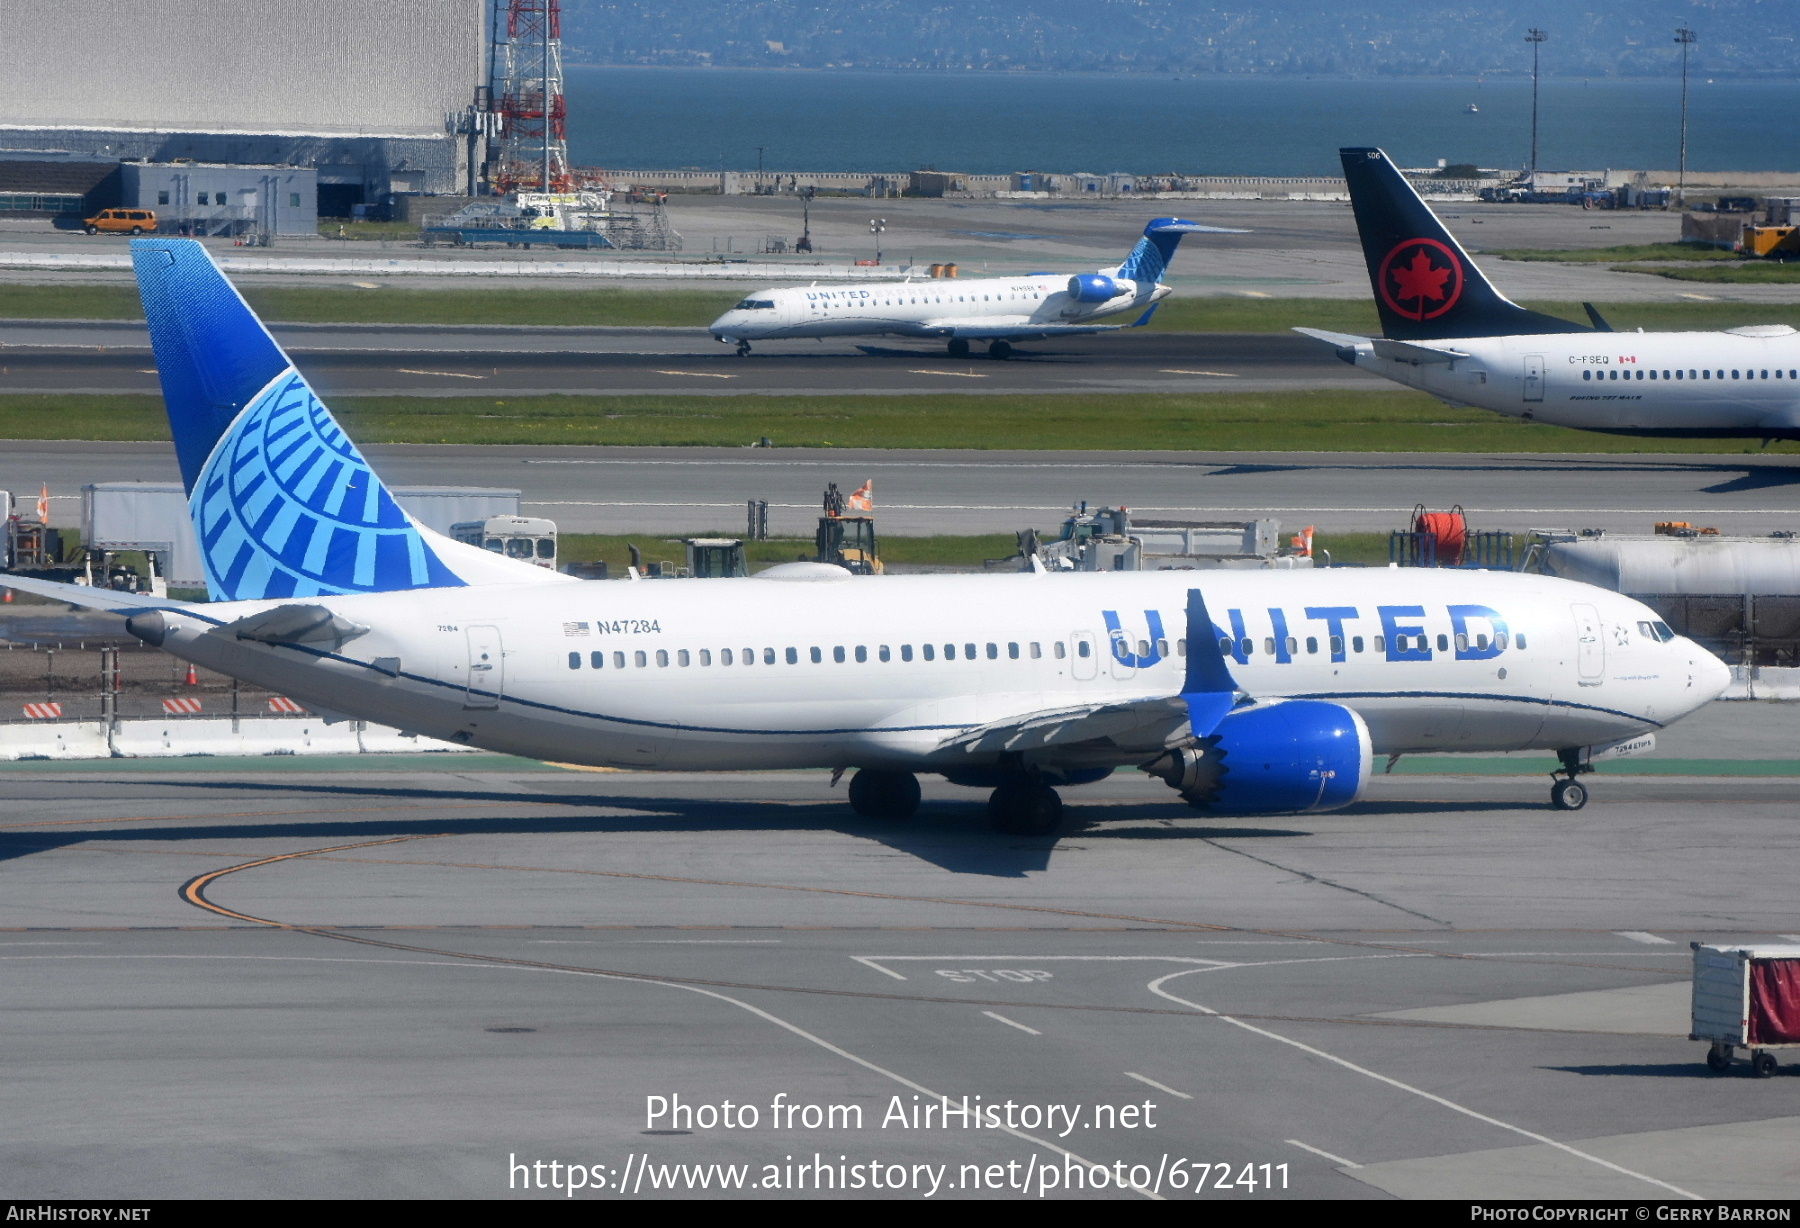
743	349
1567	792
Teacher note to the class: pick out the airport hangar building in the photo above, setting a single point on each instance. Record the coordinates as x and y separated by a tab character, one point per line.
367	98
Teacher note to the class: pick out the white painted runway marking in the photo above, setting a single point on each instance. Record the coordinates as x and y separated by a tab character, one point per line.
1012	1023
875	961
1649	940
1789	937
1294	1142
699	374
1156	987
450	374
1149	1082
955	374
1216	374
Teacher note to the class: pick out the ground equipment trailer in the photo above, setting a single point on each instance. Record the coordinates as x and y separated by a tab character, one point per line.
1746	997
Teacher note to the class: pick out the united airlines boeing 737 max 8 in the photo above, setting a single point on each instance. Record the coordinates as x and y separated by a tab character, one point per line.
998	310
1248	692
1448	332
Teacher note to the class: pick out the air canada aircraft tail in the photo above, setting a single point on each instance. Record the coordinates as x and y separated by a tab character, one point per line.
1426	287
284	505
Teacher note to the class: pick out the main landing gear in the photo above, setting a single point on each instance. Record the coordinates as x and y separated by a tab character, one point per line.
1567	792
959	347
1000	349
1025	806
879	794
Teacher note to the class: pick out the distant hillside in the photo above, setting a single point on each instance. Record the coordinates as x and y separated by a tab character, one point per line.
1739	38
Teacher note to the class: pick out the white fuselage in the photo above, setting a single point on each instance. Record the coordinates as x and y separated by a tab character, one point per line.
993	307
1638	383
883	671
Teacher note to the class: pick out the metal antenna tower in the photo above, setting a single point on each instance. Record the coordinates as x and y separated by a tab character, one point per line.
1535	37
527	93
1687	38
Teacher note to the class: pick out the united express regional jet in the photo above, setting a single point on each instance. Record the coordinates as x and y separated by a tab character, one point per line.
997	310
1446	331
1247	692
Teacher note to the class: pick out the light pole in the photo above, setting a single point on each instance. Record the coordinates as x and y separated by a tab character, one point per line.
1687	38
876	226
759	166
1536	38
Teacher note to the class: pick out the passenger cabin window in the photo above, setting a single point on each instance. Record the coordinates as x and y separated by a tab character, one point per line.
1061	650
574	660
597	659
929	651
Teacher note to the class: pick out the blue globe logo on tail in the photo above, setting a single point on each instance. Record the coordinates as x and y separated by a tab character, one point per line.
287	507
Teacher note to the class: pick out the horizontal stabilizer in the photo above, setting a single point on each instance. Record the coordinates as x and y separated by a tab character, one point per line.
297	624
1341	340
1414	353
90	598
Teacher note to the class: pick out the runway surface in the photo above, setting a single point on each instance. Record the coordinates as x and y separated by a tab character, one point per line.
421	982
396	360
687	490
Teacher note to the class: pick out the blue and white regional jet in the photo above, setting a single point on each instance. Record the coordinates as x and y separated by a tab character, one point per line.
1247	692
997	310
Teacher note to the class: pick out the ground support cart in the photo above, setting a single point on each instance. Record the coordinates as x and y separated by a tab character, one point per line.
1746	997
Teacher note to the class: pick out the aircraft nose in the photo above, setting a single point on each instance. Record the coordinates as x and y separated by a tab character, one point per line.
1711	676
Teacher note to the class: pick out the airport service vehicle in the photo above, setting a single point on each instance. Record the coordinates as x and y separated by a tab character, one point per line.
1746	997
1448	332
517	537
997	310
1248	692
121	221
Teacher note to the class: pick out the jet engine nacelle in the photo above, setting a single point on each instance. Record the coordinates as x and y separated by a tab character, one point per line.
1298	757
1093	288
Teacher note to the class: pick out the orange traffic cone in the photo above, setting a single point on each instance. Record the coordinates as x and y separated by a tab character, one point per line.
8	597
192	678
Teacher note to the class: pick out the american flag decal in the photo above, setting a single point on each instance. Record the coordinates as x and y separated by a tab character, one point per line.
575	628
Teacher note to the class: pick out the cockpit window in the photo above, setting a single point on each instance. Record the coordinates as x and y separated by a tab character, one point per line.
1658	631
756	304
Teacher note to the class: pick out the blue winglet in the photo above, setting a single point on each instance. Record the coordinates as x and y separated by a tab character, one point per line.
1208	688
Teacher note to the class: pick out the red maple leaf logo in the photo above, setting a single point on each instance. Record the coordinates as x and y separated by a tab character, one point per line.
1419	280
1433	274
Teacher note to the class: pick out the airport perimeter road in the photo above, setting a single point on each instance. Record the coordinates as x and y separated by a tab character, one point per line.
686	490
392	360
425	981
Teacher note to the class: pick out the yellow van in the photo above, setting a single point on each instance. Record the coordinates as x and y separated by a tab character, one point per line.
122	221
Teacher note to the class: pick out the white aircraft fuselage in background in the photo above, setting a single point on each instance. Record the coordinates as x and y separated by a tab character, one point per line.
998	310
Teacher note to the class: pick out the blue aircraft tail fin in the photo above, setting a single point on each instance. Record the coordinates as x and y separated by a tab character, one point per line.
284	505
1150	259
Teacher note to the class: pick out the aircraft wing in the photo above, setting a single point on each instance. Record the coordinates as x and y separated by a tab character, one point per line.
1156	722
988	329
90	598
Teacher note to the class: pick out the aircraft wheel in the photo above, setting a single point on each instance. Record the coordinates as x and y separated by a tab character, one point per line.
1568	795
959	347
1000	349
1025	808
743	350
1763	1065
877	794
1718	1058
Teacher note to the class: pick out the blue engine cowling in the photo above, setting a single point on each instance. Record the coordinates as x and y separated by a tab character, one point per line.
1093	288
1301	756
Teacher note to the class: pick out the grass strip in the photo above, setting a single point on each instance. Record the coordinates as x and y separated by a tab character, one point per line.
1626	251
629	307
1762	273
1380	420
